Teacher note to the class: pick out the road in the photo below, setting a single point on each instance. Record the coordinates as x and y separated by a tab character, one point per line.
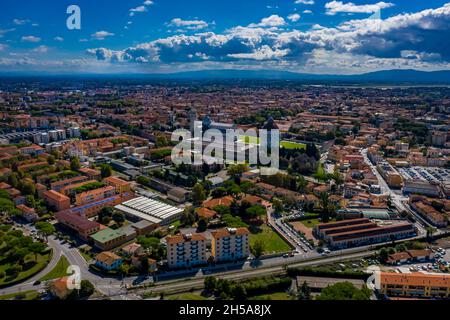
398	199
197	283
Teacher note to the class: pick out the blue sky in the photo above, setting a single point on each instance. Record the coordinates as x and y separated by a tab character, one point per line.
314	36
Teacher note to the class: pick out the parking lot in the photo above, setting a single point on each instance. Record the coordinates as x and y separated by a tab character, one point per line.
438	175
302	244
440	263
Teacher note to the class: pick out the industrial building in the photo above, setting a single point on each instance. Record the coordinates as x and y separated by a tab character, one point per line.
150	210
359	232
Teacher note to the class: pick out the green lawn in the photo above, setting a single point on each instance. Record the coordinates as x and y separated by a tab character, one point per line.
292	145
311	223
273	242
59	271
86	256
272	296
284	144
249	139
26	295
186	296
31	266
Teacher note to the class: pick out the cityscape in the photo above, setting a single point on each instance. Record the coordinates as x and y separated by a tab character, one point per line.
304	157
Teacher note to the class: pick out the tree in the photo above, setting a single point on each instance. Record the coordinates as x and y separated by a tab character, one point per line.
277	205
198	194
124	269
238	292
384	255
106	170
218	192
51	160
210	283
305	292
161	141
105	213
236	171
430	232
202	225
258	248
75	164
344	291
37	248
255	211
28	188
118	217
45	228
85	291
188	216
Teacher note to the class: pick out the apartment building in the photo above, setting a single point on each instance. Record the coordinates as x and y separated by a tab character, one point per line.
57	200
79	224
392	177
186	250
91	173
94	195
108	238
119	184
70	189
413	285
60	184
230	244
93	208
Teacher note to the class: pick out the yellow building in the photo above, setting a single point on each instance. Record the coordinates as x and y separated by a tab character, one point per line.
417	285
120	185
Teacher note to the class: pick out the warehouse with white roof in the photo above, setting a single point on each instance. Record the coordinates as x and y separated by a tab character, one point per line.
150	210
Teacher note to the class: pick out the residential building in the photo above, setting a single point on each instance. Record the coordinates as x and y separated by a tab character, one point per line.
230	244
84	227
186	250
93	208
392	177
57	200
413	285
94	195
60	184
108	260
119	184
92	174
108	238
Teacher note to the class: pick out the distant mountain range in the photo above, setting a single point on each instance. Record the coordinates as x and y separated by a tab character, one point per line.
388	76
381	77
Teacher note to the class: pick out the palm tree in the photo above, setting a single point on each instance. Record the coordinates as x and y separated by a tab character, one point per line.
430	232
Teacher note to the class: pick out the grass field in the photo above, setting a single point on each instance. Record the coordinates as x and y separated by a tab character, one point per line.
272	296
284	144
59	271
186	296
86	256
26	295
292	145
31	266
273	242
249	139
311	223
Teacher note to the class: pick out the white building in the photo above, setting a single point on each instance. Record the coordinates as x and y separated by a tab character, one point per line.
150	210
